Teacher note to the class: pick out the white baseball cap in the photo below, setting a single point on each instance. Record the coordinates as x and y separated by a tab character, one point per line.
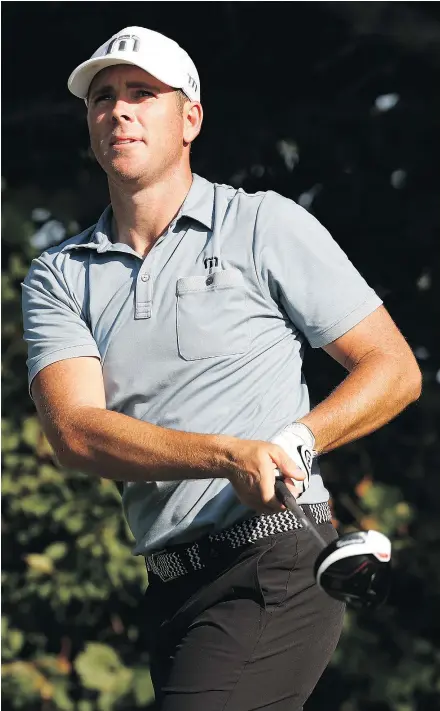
156	54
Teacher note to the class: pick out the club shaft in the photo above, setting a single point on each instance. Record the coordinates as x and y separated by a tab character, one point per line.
289	501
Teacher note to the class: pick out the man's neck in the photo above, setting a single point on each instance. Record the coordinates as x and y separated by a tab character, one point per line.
142	215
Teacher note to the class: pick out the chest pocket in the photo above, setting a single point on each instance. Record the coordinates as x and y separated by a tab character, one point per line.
211	315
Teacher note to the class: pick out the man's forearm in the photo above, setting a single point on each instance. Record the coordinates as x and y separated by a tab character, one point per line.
115	446
118	447
375	391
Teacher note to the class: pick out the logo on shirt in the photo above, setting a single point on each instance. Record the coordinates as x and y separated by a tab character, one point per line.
210	262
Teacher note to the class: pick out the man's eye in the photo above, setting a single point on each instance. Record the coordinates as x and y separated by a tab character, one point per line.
143	92
101	97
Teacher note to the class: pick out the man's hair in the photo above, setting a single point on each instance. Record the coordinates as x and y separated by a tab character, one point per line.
181	99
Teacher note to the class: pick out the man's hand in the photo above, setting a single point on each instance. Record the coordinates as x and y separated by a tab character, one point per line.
254	465
298	442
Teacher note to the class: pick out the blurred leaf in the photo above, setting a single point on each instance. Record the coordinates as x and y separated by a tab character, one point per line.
56	551
31	431
39	563
100	668
142	687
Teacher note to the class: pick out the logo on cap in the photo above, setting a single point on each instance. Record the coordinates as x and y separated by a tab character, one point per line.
124	43
192	82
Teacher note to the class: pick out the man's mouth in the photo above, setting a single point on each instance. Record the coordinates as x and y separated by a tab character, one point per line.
123	141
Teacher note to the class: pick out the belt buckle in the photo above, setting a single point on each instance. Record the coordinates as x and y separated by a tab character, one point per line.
154	568
162	570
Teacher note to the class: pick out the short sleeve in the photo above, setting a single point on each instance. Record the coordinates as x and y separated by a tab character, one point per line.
307	273
54	326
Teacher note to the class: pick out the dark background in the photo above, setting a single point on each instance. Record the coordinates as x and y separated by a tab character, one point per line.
335	105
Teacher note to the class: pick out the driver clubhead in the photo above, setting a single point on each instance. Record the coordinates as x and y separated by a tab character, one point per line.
356	569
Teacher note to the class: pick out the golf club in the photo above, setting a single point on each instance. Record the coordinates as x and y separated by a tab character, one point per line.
355	568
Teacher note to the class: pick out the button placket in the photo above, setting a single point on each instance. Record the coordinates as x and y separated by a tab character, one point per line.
145	279
144	288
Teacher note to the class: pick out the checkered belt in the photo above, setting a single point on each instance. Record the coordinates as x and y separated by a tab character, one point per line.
183	559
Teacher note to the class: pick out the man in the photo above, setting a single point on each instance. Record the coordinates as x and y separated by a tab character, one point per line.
165	351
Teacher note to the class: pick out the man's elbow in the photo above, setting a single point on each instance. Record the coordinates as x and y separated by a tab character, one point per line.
417	385
67	446
66	454
412	379
66	457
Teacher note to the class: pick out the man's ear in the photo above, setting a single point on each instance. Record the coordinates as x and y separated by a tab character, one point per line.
192	121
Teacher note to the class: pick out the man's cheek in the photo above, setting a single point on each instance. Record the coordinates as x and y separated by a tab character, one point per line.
97	146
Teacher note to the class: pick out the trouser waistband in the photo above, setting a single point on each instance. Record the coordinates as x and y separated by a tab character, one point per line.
177	561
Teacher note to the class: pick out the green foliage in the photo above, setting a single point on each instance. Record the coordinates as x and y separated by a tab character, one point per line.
68	574
100	669
27	684
69	557
412	662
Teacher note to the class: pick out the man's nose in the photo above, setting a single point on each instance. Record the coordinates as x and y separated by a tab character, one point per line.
122	111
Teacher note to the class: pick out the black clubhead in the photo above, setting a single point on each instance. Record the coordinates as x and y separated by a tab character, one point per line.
356	569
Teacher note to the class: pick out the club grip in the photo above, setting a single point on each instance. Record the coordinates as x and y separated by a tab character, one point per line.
283	494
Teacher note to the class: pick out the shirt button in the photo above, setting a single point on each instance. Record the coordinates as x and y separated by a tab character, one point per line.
145	277
209	281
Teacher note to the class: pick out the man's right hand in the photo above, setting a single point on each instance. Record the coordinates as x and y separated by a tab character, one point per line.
253	467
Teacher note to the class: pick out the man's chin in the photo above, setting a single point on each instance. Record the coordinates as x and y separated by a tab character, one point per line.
127	174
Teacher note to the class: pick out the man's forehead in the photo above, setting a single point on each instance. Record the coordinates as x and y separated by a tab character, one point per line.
124	73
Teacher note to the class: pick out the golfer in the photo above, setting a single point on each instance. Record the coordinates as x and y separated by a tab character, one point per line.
165	351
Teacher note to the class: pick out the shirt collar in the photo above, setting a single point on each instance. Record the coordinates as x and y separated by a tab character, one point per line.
198	204
96	237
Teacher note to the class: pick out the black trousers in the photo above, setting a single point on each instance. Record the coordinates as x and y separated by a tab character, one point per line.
252	632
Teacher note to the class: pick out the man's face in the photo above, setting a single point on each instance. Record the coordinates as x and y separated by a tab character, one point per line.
137	129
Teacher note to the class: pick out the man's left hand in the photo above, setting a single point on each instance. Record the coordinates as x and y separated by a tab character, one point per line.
301	453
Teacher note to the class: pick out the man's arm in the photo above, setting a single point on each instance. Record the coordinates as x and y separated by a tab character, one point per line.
383	379
70	400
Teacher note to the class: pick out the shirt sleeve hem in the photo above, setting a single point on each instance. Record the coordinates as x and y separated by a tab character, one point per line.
341	327
58	355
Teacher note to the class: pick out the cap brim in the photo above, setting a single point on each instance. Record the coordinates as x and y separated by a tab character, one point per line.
81	77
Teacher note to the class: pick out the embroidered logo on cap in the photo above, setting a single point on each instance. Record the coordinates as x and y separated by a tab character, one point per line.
192	82
124	43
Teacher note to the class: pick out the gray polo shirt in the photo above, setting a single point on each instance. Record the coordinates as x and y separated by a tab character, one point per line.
206	334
